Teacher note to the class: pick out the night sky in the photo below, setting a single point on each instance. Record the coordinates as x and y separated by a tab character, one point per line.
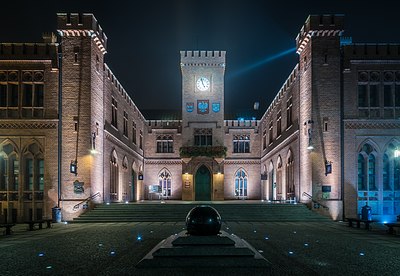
145	37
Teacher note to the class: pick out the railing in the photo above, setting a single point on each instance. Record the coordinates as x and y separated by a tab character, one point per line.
317	204
86	200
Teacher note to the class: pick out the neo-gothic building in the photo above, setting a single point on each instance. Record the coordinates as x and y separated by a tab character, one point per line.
69	130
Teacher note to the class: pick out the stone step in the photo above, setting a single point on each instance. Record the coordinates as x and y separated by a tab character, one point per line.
152	212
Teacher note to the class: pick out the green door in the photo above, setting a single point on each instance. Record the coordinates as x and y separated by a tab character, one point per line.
203	184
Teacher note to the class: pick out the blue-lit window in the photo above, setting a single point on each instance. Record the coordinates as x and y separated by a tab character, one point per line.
371	173
241	183
164	180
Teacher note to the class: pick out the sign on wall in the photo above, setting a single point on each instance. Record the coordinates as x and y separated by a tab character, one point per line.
78	187
216	107
189	107
155	189
203	106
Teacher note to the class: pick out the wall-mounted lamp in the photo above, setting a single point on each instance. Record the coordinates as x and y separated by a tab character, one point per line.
73	167
328	167
397	153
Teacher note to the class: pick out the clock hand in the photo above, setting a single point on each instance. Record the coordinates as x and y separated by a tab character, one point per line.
202	82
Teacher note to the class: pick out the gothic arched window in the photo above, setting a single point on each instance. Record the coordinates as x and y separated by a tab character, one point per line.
241	183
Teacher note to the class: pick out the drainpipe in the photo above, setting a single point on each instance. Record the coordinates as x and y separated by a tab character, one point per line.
59	121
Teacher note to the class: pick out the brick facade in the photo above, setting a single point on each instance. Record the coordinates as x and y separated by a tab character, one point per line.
307	145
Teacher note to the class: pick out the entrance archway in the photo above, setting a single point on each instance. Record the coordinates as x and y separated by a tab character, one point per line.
203	184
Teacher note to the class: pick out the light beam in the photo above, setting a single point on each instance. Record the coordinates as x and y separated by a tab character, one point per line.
262	62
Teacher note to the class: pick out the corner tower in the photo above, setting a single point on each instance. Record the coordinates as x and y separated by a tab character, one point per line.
203	97
83	46
319	49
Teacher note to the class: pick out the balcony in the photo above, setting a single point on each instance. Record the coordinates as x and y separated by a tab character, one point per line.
208	151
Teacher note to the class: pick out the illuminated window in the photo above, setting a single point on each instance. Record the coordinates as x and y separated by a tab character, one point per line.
164	180
241	183
114	177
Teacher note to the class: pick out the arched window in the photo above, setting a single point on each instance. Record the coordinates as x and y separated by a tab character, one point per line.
386	173
114	176
361	173
290	176
391	181
164	180
279	178
241	183
371	173
368	192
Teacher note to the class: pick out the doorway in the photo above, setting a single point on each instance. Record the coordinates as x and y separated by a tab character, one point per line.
203	184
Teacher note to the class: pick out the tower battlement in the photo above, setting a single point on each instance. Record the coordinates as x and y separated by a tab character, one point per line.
203	58
319	25
29	51
75	24
365	51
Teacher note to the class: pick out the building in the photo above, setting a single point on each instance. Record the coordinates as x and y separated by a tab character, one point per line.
70	132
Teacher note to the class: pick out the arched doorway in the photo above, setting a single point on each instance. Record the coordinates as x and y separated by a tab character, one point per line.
203	184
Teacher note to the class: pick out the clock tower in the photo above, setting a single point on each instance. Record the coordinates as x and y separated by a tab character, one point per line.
203	98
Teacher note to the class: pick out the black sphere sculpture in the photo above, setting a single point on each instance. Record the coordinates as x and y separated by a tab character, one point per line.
203	220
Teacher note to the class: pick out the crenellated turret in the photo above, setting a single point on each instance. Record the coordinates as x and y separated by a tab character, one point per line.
203	58
319	25
74	24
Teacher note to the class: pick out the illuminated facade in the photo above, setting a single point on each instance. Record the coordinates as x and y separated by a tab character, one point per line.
330	133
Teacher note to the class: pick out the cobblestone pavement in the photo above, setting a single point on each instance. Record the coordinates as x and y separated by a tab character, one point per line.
293	248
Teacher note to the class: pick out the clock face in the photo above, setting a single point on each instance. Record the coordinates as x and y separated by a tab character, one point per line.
203	84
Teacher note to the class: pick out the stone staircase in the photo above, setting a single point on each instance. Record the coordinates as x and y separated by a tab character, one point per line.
177	211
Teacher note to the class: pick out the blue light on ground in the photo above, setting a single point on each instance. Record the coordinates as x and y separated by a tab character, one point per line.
362	254
100	244
41	254
266	238
139	238
112	253
49	267
291	252
306	244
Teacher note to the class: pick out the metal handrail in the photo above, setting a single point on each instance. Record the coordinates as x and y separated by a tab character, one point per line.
76	206
314	201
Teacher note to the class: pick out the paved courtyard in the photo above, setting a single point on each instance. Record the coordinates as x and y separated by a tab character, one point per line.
293	248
